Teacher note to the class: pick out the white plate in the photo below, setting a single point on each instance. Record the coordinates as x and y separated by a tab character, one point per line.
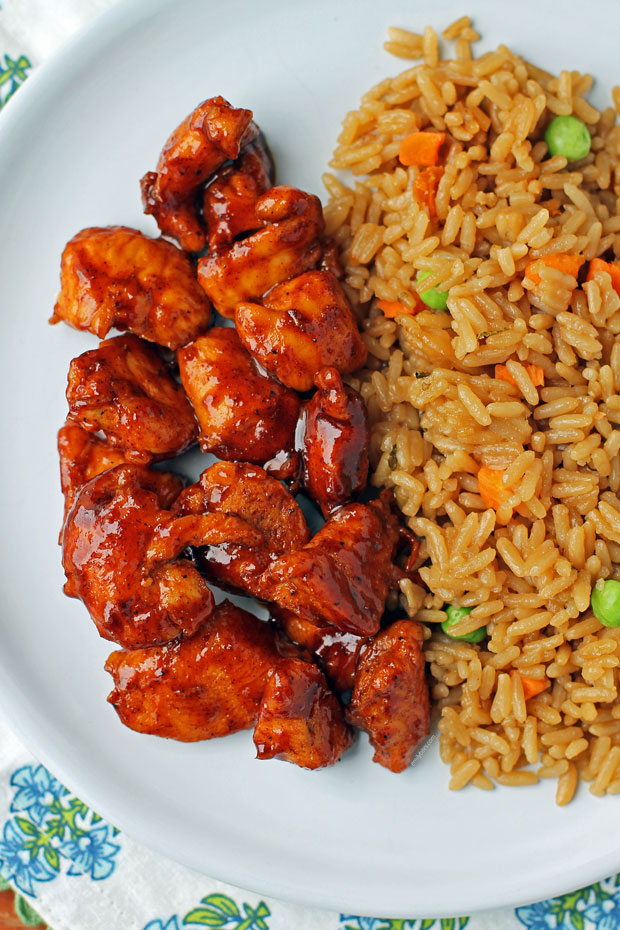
73	145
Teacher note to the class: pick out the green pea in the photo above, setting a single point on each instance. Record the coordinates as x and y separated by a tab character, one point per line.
433	297
606	602
568	136
455	614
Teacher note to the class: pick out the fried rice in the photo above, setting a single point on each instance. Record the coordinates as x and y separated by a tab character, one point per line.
441	410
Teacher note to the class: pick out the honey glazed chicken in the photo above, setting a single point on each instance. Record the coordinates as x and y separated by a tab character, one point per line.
236	334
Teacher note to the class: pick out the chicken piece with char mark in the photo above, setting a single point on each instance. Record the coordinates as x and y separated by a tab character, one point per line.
122	555
248	492
201	687
288	245
124	389
212	133
117	277
300	719
390	698
301	326
243	414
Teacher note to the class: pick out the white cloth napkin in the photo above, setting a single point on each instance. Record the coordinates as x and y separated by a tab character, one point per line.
77	871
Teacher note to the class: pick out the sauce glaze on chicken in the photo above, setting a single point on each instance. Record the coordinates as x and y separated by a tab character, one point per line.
267	396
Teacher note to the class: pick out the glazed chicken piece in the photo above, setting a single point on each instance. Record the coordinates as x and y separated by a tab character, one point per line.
333	437
82	456
198	688
243	414
229	201
124	389
212	133
122	556
331	258
117	277
247	492
300	719
288	244
343	575
302	325
390	698
337	652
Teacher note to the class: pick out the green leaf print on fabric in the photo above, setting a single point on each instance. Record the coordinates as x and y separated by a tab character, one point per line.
221	911
13	73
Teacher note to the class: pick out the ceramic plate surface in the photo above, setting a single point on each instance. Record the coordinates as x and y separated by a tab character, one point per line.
73	144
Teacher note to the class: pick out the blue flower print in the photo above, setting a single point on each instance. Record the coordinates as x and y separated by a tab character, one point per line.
171	924
596	907
52	833
348	922
537	916
606	914
37	790
21	861
363	923
91	853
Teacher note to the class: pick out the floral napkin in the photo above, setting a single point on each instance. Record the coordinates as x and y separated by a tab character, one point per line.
80	873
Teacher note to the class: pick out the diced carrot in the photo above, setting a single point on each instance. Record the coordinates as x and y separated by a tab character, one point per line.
533	686
425	188
502	374
536	373
597	264
394	308
491	487
563	261
421	148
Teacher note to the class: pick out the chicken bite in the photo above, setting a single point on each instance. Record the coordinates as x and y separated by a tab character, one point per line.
199	688
288	244
122	556
336	651
300	719
229	200
212	133
243	414
343	575
333	437
302	325
248	492
117	277
330	260
124	389
82	456
390	698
